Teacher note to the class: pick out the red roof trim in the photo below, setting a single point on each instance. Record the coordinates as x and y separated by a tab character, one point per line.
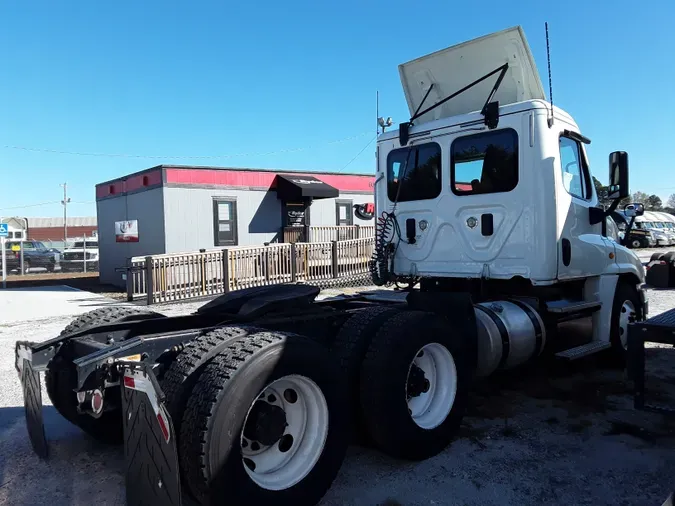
263	179
135	182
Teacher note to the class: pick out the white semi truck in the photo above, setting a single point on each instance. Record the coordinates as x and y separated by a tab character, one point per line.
486	213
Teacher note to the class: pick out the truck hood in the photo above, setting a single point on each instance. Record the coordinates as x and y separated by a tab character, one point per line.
454	68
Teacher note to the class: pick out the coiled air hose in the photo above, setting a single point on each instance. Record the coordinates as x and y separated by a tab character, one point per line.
380	270
382	262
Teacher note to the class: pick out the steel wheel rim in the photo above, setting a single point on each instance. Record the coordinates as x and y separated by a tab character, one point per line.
430	409
281	465
626	311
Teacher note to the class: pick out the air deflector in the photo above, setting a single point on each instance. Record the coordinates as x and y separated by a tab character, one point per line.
453	68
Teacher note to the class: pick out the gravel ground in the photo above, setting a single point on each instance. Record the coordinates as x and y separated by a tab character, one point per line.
555	435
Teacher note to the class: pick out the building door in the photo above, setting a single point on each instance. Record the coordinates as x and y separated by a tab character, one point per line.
225	231
343	213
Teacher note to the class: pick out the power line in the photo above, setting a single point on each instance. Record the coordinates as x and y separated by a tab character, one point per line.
45	204
29	205
191	157
359	154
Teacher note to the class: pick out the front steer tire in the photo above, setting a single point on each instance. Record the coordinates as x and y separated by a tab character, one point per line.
60	375
210	445
385	385
626	293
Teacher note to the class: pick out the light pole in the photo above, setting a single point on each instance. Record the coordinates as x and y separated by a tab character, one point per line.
65	202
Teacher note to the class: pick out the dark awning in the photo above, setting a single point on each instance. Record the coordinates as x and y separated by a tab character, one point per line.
292	188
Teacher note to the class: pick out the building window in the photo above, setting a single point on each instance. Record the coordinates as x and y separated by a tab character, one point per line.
414	173
484	163
574	172
225	221
343	213
18	235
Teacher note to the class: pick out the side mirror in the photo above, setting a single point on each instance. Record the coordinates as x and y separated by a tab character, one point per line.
635	209
618	175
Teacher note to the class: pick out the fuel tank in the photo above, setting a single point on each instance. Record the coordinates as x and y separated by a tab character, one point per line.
510	332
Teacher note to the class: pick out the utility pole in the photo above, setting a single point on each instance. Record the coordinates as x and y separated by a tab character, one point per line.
65	202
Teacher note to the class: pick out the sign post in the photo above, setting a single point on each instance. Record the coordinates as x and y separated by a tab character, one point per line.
4	232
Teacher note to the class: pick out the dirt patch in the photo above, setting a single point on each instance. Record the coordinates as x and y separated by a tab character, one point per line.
618	428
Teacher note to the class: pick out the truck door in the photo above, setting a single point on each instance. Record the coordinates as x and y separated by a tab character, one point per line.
582	250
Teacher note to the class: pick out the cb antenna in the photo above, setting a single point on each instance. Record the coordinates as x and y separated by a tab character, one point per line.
550	83
377	112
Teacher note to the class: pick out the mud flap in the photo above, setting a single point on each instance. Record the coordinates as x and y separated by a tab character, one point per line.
150	450
32	398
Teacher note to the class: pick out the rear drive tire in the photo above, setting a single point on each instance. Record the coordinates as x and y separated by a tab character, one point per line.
656	256
60	376
298	378
626	301
181	376
350	347
411	415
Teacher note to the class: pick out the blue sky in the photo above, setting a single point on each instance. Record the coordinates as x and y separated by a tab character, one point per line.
188	79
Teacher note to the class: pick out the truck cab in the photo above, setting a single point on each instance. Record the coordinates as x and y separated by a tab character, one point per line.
489	188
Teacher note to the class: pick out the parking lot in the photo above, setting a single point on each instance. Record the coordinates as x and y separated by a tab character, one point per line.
546	435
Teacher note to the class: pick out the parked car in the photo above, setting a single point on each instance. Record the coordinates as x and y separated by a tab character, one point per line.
35	254
638	238
73	257
661	234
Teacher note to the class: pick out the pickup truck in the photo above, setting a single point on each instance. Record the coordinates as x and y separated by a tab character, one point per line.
35	254
73	257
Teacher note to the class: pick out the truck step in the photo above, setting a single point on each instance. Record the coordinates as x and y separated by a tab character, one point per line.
584	350
564	307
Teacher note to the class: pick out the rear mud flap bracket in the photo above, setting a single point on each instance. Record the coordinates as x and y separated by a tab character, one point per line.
150	450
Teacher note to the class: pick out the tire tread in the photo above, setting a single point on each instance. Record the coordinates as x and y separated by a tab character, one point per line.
198	416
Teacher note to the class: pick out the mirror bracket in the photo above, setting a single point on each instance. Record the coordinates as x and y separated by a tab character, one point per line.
596	215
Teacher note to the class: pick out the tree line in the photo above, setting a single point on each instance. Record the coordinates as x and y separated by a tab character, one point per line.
651	202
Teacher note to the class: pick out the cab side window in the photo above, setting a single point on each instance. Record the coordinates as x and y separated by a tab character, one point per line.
414	173
574	172
484	163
